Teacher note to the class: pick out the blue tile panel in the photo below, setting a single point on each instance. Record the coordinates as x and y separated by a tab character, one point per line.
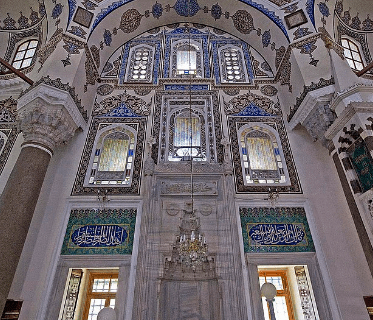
108	231
253	110
275	229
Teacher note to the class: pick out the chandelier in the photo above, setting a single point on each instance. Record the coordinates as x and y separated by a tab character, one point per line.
190	250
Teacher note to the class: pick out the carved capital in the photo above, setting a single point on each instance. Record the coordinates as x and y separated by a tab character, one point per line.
48	116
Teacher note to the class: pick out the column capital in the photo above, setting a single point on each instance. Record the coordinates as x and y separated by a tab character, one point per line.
48	116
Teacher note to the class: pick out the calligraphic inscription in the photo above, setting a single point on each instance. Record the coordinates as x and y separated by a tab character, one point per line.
276	234
209	188
275	229
100	235
362	163
107	231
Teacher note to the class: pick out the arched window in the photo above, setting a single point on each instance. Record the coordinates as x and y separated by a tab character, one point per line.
114	157
140	64
24	54
187	59
261	156
187	136
352	54
187	132
232	65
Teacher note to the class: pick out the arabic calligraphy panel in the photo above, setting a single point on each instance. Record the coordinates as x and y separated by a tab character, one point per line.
108	231
275	230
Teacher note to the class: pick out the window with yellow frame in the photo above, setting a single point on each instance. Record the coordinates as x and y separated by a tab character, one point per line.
101	291
282	303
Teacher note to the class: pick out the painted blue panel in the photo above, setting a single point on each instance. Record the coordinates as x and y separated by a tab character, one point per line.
253	110
121	112
96	236
276	233
186	8
275	229
107	231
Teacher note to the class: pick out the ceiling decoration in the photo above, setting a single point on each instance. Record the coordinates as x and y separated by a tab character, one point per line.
23	21
280	2
184	8
354	22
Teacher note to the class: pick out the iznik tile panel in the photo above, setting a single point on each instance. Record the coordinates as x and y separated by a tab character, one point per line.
108	231
275	230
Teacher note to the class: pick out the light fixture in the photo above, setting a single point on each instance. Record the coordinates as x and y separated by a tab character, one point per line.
107	313
269	291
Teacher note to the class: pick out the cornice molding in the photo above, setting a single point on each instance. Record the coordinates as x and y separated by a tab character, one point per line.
338	97
309	102
347	114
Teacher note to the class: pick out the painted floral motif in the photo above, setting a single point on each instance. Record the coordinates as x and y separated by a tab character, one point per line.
157	10
107	37
268	90
23	21
216	11
57	10
368	24
186	8
130	21
105	89
9	23
301	32
323	8
243	21
266	38
78	31
89	5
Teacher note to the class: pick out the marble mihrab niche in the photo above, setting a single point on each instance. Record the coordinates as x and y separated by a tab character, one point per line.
275	230
108	231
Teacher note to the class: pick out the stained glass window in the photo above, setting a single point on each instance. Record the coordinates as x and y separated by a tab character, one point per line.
232	65
187	137
352	54
24	54
261	158
113	158
140	65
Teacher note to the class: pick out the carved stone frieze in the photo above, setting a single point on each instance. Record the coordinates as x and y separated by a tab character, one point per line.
134	103
318	122
184	167
180	188
322	83
238	103
48	116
